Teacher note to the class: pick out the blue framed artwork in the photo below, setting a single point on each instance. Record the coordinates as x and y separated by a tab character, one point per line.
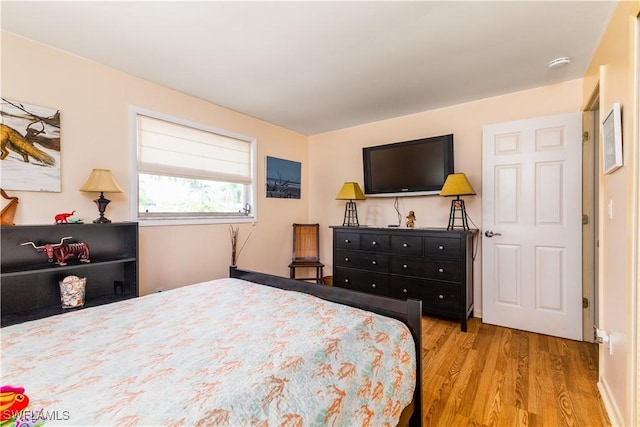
283	178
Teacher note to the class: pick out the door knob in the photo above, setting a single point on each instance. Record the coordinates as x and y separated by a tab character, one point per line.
490	233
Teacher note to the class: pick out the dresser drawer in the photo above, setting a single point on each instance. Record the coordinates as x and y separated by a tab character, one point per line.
441	297
363	281
406	245
428	268
374	242
371	261
346	240
442	247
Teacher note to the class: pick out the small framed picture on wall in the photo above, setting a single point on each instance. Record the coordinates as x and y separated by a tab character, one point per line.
612	140
283	178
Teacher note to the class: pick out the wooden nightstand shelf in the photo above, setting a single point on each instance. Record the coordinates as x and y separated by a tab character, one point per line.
30	285
433	265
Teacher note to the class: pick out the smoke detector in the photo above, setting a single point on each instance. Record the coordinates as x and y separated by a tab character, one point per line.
559	62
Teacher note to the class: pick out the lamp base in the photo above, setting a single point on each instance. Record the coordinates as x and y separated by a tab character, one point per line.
350	215
102	203
102	220
457	206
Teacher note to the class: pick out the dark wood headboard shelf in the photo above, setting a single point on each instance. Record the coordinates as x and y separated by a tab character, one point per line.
30	285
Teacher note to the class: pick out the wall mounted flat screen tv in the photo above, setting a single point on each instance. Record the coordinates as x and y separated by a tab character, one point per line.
408	168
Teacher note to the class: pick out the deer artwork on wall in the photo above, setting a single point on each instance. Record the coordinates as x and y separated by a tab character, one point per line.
63	251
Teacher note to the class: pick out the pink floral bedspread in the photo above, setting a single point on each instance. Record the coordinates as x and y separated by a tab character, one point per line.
225	352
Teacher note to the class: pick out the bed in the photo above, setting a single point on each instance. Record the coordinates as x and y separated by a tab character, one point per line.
226	352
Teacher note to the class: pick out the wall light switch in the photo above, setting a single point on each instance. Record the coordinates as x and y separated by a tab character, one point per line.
610	208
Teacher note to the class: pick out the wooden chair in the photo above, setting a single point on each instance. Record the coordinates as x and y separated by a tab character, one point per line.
306	251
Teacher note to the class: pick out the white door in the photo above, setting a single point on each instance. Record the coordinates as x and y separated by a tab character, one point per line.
531	222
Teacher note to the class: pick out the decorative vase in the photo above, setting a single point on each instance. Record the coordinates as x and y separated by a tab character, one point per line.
72	290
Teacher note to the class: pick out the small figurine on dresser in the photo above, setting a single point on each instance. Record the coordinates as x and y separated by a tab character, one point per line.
411	219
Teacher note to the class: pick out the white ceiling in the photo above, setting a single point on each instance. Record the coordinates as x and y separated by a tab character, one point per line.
317	66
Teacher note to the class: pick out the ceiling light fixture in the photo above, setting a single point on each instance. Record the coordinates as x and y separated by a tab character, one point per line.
559	62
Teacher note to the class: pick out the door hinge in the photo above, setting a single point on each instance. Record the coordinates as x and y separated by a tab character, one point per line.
585	303
585	136
585	219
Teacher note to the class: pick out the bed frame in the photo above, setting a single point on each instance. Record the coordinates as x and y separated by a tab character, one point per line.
408	312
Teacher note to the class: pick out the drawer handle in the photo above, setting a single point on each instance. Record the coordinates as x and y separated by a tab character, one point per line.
405	291
440	248
441	296
374	262
405	266
373	285
347	241
346	259
374	243
404	245
441	270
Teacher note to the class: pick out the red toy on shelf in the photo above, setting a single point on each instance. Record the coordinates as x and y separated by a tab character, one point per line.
61	218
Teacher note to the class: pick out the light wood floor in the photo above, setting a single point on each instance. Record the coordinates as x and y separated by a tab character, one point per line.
494	376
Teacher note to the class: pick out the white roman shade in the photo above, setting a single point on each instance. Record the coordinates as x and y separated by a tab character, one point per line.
166	148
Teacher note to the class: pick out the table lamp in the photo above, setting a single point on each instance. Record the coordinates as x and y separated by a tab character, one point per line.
350	191
101	180
457	185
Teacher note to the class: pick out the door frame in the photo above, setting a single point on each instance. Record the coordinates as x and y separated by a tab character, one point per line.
590	194
635	230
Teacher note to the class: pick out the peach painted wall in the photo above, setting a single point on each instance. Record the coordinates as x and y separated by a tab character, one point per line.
94	102
337	157
613	70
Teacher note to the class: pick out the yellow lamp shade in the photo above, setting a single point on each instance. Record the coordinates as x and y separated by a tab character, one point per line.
350	191
457	184
101	180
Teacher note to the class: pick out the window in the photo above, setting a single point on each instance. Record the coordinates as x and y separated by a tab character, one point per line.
190	173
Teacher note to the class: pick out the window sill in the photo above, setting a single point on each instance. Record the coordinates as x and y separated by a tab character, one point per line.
145	222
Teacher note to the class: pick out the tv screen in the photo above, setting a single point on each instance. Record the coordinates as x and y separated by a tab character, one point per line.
408	168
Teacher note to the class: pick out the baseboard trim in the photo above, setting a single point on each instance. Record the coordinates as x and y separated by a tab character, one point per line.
610	406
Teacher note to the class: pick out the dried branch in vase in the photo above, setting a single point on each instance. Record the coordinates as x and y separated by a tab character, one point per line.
235	253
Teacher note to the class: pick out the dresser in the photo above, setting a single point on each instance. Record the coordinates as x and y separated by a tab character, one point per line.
433	265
